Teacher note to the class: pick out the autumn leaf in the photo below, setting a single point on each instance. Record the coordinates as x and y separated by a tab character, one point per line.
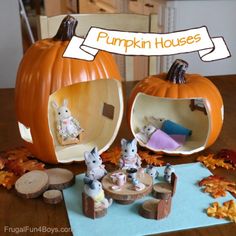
211	162
7	179
217	186
112	155
228	155
14	163
151	158
227	210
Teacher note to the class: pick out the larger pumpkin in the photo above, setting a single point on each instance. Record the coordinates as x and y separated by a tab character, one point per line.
44	74
171	96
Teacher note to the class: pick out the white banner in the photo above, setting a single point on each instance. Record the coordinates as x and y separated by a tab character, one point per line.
148	44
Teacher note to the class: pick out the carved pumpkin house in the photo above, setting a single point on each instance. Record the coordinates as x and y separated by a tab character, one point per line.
93	90
190	100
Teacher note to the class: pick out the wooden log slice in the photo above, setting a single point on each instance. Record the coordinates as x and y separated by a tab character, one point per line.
162	190
52	196
149	209
89	210
155	208
32	184
60	178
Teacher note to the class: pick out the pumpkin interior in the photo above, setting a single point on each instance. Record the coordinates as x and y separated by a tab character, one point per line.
93	103
176	110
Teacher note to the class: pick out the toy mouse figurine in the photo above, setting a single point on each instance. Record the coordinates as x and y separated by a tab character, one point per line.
145	133
93	188
129	156
152	171
156	122
95	169
68	128
168	171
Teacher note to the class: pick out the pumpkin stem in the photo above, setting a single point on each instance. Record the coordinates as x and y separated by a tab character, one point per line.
177	71
66	29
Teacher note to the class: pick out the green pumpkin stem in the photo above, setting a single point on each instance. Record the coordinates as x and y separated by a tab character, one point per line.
177	71
67	29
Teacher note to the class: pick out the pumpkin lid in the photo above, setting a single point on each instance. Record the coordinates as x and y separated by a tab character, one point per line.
67	29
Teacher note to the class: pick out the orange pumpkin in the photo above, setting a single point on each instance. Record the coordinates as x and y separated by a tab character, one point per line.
175	96
41	73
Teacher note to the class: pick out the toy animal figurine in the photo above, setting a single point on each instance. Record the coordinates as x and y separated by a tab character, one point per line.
93	188
68	128
138	186
152	171
95	169
145	133
167	172
156	122
129	156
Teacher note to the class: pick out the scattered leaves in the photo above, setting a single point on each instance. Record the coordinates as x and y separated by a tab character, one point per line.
212	162
217	186
19	166
151	158
113	156
2	163
227	210
228	155
14	163
7	179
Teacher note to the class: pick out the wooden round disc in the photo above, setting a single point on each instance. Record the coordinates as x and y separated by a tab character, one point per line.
52	196
60	178
32	184
162	190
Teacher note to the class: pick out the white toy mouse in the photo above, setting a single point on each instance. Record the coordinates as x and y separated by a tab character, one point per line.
68	127
145	133
93	188
95	169
129	156
152	171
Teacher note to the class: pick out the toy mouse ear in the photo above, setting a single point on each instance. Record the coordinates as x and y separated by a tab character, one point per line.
96	149
65	102
123	141
54	104
86	156
134	141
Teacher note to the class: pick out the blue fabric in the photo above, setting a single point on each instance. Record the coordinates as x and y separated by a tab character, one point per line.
188	209
171	127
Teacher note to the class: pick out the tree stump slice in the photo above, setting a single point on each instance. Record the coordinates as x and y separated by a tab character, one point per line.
89	209
60	178
162	190
52	196
127	194
155	209
149	209
32	184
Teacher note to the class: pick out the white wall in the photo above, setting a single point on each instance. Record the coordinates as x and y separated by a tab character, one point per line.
10	42
220	18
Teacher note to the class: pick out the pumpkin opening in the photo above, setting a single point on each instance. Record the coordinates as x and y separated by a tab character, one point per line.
191	113
98	105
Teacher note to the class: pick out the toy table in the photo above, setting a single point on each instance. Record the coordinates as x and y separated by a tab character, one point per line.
127	194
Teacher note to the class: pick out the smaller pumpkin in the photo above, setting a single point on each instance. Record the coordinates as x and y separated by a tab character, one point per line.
187	99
